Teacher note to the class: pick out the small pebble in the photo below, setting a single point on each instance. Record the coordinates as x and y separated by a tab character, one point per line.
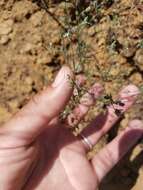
92	31
6	27
26	48
4	39
128	51
139	59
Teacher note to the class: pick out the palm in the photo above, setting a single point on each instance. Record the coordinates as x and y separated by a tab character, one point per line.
63	164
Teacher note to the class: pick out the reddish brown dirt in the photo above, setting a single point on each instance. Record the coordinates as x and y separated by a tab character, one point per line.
28	64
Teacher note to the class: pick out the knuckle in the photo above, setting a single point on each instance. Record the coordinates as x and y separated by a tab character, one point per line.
35	100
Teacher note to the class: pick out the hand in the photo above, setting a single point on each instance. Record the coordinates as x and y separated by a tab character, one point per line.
38	152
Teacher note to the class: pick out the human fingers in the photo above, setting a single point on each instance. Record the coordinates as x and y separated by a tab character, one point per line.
104	121
86	101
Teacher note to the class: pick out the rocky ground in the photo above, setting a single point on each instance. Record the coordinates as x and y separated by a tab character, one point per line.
30	55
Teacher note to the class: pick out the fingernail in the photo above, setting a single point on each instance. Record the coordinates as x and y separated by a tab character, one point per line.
61	77
136	124
130	90
80	80
96	90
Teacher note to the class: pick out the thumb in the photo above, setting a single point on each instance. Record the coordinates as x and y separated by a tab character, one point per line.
27	124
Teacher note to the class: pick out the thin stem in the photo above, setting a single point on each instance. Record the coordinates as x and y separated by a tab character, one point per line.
45	6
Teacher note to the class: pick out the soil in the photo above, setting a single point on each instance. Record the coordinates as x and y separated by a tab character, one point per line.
30	56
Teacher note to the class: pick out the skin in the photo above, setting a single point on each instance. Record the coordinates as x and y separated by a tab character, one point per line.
38	152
